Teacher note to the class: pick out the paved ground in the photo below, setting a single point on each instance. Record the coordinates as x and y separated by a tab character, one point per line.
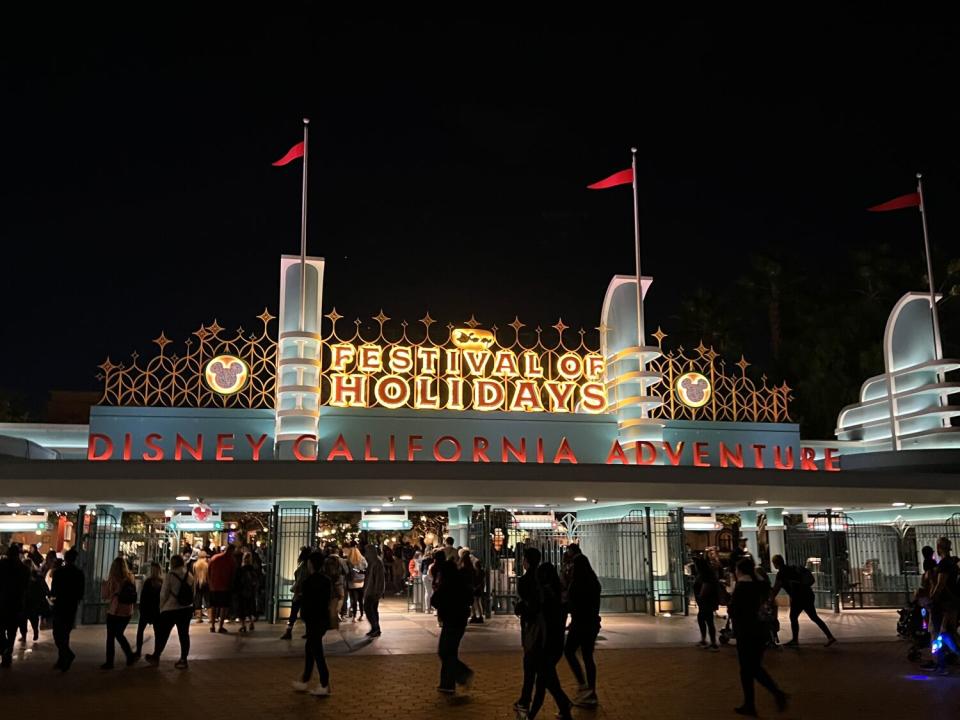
647	668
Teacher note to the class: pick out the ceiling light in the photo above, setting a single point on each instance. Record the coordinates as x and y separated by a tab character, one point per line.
406	497
785	512
388	504
836	509
41	509
374	509
899	504
579	498
182	498
539	505
168	513
706	507
13	504
761	502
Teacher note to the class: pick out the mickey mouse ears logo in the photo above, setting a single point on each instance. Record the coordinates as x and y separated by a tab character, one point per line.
226	374
693	389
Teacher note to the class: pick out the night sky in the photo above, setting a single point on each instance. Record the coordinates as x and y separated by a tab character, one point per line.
448	167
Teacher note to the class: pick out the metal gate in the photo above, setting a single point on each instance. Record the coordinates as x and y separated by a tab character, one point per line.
290	528
496	539
871	565
99	545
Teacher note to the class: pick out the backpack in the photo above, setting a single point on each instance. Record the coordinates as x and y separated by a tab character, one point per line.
127	595
184	592
806	577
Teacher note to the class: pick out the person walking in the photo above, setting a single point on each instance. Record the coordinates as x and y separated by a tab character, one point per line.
583	605
334	572
176	610
545	641
149	604
299	575
748	596
66	591
945	603
120	589
201	601
706	591
798	584
374	587
315	606
358	573
221	570
248	586
526	609
452	598
35	602
14	578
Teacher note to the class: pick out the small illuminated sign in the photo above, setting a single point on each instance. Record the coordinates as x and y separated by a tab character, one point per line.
693	389
226	374
471	371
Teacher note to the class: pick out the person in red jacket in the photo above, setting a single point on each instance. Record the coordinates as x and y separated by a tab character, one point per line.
220	574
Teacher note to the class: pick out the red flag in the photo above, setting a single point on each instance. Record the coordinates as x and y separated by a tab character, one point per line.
624	177
292	154
898	203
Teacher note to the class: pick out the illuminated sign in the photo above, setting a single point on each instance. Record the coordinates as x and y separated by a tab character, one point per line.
471	371
226	374
478	449
693	389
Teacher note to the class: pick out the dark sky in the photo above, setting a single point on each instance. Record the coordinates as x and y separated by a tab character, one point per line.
448	165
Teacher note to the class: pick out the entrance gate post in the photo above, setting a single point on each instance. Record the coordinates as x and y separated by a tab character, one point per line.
650	577
487	559
296	527
834	574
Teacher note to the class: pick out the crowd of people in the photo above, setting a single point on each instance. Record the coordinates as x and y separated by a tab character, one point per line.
558	607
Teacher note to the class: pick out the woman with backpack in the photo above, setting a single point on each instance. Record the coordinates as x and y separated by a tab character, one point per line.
749	595
358	575
316	607
121	590
149	603
543	641
176	609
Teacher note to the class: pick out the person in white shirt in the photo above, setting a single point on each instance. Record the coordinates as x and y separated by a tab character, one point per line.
176	609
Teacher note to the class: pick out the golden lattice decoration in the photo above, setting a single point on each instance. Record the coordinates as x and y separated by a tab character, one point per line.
734	396
170	379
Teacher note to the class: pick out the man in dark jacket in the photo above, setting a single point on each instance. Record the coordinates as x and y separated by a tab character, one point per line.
67	592
373	588
452	599
526	609
14	578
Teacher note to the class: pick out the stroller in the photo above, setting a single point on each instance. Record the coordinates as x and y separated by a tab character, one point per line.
768	619
912	626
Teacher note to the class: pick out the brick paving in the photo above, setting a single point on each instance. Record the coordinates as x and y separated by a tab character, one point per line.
850	680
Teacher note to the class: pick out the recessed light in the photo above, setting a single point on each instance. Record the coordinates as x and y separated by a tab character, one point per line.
579	498
13	504
374	509
168	513
181	498
388	504
406	497
761	502
899	504
785	512
836	509
706	507
539	505
41	509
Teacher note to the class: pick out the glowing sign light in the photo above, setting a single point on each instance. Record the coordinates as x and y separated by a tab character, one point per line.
469	372
693	389
226	374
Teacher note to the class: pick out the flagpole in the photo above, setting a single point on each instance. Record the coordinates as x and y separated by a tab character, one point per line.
636	237
303	230
937	350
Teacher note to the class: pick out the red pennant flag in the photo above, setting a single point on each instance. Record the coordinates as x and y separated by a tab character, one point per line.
624	177
898	203
292	154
